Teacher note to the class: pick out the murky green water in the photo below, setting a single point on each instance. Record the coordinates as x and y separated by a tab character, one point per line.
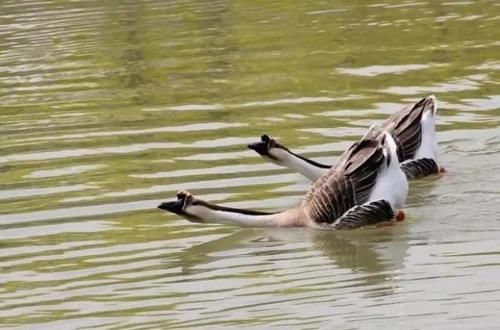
107	108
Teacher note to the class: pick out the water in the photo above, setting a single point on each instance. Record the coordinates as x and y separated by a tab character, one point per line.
107	108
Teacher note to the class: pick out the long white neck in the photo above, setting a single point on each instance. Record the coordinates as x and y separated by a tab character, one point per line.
292	161
295	217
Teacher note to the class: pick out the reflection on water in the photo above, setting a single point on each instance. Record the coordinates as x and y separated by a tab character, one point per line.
109	108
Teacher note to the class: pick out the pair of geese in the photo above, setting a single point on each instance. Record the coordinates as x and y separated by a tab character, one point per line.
367	186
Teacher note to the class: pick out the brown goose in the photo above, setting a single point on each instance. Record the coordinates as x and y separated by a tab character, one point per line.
414	133
366	187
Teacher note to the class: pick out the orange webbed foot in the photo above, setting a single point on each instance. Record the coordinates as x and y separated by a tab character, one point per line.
399	215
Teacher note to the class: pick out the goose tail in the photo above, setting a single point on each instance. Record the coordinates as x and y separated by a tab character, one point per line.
200	211
282	156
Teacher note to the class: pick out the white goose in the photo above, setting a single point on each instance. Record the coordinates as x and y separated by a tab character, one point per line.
414	133
366	187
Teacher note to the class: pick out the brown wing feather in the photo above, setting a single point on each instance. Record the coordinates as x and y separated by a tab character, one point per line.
407	129
373	134
419	168
367	214
347	184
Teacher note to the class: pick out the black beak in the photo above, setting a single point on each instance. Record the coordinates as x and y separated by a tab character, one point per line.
176	207
261	147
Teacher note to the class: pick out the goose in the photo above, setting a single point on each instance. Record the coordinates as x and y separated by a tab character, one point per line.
366	187
414	133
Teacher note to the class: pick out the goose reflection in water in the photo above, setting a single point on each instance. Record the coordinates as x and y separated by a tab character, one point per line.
378	253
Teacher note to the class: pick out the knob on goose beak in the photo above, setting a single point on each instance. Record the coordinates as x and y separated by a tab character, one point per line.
178	206
262	147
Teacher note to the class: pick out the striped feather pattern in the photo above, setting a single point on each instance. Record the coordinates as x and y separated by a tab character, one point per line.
407	129
346	185
419	168
365	214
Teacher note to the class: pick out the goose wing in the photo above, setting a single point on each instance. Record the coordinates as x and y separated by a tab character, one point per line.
369	213
419	168
407	127
346	185
347	158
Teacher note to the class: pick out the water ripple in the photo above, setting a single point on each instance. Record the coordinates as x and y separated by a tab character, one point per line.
108	109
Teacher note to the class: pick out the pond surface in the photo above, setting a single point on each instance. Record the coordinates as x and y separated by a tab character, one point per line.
108	108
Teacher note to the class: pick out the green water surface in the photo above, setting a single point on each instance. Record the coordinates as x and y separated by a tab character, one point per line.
109	107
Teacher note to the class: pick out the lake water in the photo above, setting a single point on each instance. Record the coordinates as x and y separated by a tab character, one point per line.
108	108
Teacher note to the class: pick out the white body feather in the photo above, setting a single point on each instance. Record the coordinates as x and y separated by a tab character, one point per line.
391	184
428	147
